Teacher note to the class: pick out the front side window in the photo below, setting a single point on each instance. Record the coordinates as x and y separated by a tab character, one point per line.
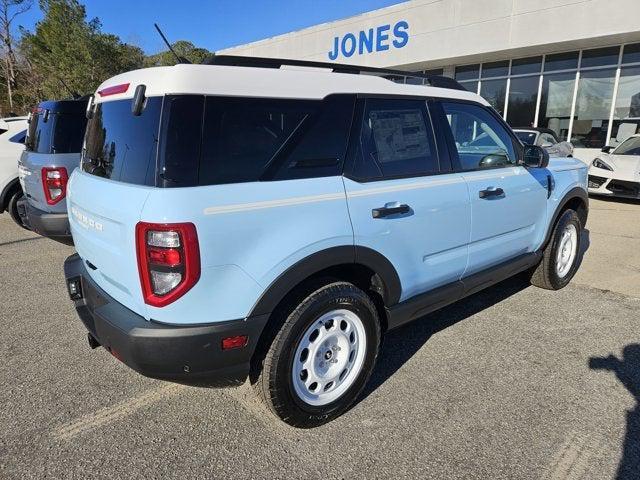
396	140
481	141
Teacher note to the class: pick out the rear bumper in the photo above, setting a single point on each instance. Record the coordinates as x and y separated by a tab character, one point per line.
184	354
51	225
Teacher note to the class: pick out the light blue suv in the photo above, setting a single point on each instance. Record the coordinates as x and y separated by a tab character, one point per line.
240	219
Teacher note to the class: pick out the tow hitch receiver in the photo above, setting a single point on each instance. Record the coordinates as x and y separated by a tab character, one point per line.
74	286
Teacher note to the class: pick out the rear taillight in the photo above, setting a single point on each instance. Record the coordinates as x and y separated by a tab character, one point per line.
54	183
168	260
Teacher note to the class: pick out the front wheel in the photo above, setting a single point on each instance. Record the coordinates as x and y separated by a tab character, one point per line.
322	357
561	256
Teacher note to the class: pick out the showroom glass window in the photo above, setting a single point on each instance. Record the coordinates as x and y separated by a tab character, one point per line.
626	113
595	97
589	97
468	76
556	98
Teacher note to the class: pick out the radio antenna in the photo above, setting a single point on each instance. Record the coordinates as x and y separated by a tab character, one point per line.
164	39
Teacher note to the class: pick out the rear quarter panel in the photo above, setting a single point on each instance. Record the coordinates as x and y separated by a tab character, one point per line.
248	235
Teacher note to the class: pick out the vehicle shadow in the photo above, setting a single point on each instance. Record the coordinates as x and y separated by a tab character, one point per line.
627	370
585	243
402	344
624	200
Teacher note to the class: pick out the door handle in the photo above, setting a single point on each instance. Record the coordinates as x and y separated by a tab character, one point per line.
491	192
390	209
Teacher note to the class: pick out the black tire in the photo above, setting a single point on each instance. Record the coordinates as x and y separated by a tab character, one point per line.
275	384
545	275
12	207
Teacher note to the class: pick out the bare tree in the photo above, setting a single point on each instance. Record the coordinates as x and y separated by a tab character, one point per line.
9	10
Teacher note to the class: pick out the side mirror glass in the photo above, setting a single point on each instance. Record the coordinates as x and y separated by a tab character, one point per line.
607	149
535	157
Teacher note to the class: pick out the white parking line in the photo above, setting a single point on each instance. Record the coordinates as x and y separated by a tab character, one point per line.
113	413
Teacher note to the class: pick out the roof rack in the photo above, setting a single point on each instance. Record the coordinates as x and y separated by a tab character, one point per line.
264	62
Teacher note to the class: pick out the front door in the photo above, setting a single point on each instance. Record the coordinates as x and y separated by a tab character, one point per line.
403	203
508	201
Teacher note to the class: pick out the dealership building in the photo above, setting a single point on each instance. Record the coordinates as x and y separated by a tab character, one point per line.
569	65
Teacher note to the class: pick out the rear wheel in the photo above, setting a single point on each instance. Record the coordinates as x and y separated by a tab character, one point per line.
561	256
322	357
12	207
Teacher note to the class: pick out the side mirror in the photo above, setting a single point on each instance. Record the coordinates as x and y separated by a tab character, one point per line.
535	156
607	149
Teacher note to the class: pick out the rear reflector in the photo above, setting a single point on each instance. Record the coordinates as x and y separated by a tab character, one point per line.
54	183
238	341
105	92
168	260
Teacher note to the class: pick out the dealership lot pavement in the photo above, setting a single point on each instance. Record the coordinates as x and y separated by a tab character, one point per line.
515	382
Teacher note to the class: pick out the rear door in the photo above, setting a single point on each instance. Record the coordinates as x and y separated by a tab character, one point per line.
508	201
403	199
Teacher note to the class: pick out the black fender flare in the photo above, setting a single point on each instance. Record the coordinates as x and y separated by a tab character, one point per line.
5	193
323	259
575	192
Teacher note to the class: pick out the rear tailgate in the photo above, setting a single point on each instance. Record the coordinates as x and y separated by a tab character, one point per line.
103	215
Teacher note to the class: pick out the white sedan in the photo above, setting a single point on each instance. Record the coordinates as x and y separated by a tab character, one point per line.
617	172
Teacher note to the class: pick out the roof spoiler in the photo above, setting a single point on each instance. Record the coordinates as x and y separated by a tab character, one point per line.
264	62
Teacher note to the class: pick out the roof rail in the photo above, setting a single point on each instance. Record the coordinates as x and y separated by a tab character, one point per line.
264	62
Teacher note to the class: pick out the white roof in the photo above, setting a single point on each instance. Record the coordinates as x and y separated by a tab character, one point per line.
286	82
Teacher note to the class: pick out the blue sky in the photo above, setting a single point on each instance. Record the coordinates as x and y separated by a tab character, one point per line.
213	24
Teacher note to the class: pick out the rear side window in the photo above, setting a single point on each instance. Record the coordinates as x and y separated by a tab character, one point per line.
121	146
51	132
221	140
242	136
481	141
396	140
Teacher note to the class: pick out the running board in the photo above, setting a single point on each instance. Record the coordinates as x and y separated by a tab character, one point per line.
425	303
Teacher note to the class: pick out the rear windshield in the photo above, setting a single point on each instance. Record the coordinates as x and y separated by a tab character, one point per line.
190	140
121	146
51	132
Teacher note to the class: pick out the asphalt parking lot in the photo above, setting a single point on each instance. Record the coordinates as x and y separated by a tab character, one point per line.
515	382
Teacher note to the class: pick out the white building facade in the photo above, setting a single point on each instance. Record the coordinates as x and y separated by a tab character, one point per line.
569	65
